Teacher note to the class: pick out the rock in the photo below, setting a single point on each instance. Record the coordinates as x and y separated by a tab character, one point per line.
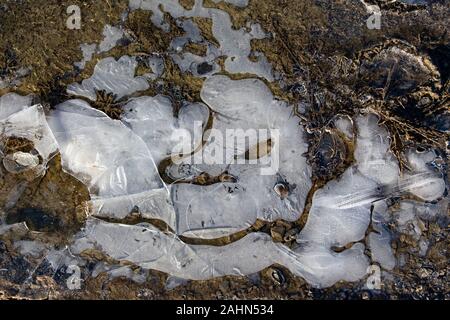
20	161
277	233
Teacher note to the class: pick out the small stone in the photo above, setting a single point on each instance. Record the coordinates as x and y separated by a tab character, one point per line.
20	161
424	273
277	233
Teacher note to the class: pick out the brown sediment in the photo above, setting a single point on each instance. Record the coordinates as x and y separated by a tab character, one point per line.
136	218
107	103
301	222
36	34
196	48
187	4
205	26
56	197
16	144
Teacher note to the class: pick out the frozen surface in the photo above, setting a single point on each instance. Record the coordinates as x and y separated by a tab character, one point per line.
18	119
152	119
111	36
110	159
29	123
224	208
232	185
149	248
380	240
341	211
116	77
11	103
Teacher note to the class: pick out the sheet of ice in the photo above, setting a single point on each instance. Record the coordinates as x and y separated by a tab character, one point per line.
156	63
111	36
372	156
340	212
379	242
30	123
149	248
11	103
220	209
152	119
424	181
20	120
152	204
116	77
110	159
101	152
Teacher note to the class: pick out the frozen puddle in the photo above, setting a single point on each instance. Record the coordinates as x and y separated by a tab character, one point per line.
149	248
341	211
251	192
111	76
26	146
340	215
190	170
111	160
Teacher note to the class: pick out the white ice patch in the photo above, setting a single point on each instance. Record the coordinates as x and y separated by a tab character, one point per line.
150	248
340	212
11	103
380	241
30	124
112	76
111	160
111	36
18	119
221	209
345	125
152	119
423	180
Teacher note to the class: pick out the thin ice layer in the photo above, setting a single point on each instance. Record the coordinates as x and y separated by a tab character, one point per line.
151	204
150	248
243	107
379	242
11	103
340	212
116	77
30	123
109	158
20	120
152	119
